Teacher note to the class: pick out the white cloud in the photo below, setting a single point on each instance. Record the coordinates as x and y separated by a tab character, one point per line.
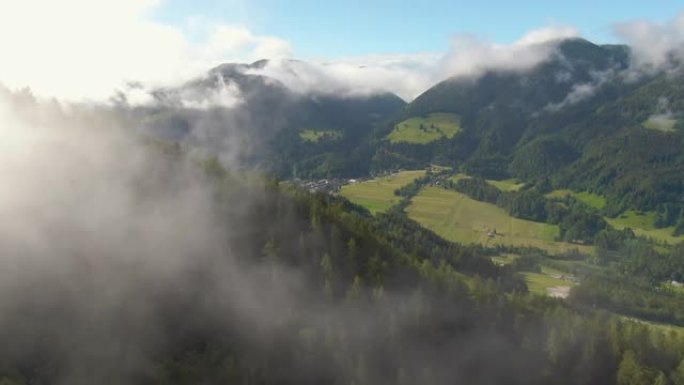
89	49
223	95
546	34
239	42
470	56
410	75
582	91
653	43
405	75
85	49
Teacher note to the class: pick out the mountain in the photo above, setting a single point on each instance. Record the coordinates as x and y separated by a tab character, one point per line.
584	119
127	260
496	108
282	130
170	281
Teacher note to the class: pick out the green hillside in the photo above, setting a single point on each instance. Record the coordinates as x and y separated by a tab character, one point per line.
660	123
643	224
507	184
377	195
319	135
536	238
592	200
458	218
422	130
526	126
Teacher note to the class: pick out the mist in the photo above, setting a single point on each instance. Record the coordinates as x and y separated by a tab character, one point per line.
120	253
140	242
655	46
102	232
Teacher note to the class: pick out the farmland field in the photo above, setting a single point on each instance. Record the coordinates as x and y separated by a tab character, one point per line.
505	259
541	283
314	136
643	225
590	199
458	218
377	195
660	123
506	185
459	176
424	130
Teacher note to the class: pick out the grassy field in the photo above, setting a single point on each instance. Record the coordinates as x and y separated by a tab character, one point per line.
458	218
583	267
459	176
643	224
677	289
314	136
503	185
504	259
506	185
666	328
590	199
424	130
377	195
540	283
660	123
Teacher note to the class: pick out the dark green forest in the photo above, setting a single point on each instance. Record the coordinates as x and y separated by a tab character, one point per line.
376	300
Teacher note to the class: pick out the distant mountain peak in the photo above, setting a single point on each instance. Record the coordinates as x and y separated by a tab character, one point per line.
259	64
583	50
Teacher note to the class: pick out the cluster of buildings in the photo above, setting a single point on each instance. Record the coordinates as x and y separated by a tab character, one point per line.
327	186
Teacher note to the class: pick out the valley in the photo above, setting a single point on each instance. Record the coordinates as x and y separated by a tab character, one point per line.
423	130
459	218
315	136
377	195
456	217
497	214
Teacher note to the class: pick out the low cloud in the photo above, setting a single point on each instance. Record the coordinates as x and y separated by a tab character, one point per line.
89	50
221	93
471	56
663	117
101	232
410	75
654	45
81	50
582	91
404	75
239	42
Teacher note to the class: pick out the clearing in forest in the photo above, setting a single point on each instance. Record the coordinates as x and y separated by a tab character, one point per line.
458	218
423	130
377	195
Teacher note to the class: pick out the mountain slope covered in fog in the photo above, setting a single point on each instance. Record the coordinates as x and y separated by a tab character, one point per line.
236	109
148	265
438	193
572	120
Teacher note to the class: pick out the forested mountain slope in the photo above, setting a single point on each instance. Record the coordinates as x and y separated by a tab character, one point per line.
255	117
584	119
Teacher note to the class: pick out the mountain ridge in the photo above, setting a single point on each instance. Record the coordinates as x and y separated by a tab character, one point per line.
553	122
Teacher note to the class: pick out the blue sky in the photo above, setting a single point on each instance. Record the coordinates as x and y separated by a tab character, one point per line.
402	46
333	29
